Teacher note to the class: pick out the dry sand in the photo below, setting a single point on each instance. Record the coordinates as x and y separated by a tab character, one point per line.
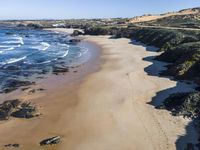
107	110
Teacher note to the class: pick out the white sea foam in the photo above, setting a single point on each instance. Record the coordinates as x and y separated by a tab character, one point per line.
82	51
9	47
64	45
13	60
45	62
17	40
20	39
67	52
43	46
4	46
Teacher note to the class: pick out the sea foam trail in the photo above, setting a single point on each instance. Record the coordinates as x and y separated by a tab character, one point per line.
9	47
4	46
45	62
17	40
83	51
14	60
67	52
43	46
20	39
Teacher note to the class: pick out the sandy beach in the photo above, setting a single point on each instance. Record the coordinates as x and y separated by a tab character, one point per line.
106	108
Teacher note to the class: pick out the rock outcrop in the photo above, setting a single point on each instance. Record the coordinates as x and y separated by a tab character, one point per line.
16	108
51	141
77	33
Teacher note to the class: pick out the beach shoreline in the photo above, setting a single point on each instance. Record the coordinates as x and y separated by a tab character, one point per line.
106	109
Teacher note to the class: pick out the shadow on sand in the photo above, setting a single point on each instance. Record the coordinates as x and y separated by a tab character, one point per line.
181	86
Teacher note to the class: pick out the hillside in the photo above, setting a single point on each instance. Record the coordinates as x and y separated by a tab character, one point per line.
184	18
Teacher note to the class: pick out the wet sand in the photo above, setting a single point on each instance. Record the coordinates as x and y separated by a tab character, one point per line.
107	109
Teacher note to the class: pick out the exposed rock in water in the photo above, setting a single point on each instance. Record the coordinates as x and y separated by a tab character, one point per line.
13	84
9	33
12	145
58	70
74	41
17	109
50	141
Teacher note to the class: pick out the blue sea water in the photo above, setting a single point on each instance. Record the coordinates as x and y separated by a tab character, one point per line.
28	53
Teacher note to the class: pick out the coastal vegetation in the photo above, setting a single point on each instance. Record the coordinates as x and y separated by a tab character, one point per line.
185	104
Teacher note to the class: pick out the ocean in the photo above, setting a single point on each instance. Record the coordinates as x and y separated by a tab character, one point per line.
31	54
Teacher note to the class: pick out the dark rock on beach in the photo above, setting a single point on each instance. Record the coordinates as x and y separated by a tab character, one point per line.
12	145
35	90
7	107
26	110
51	141
77	33
60	70
17	109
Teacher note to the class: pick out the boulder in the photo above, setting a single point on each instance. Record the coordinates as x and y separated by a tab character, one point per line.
50	141
77	33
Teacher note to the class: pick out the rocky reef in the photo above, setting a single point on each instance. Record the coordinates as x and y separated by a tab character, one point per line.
17	109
